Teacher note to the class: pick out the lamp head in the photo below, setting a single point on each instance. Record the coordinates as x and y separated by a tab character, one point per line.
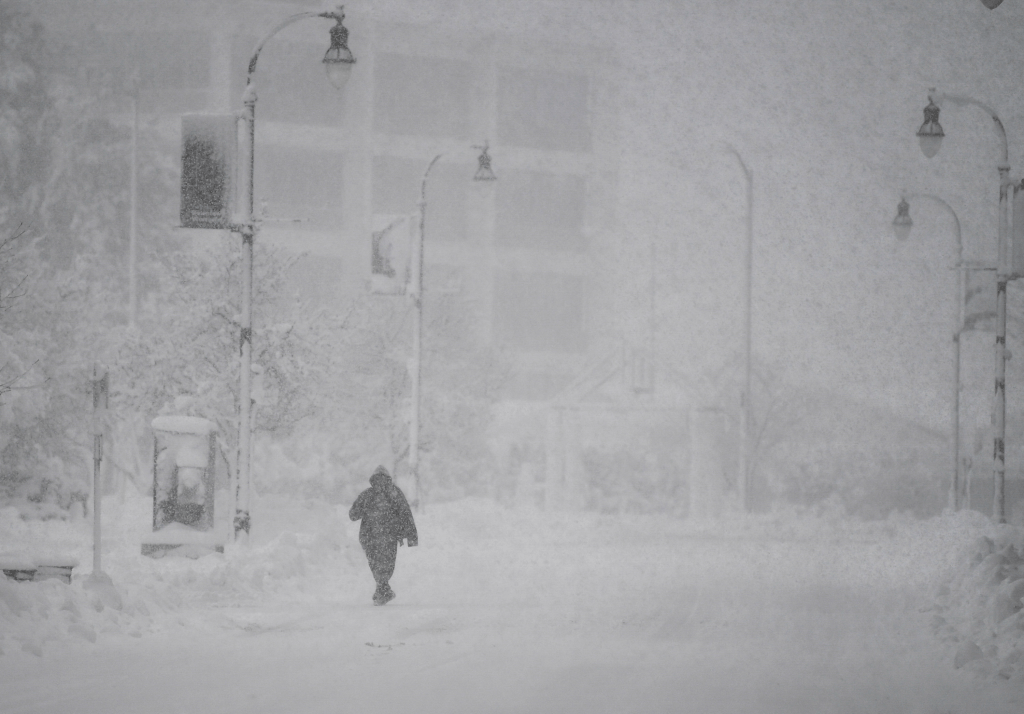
484	171
902	224
930	134
338	59
991	4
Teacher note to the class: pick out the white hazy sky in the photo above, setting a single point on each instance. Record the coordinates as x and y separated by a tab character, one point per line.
822	99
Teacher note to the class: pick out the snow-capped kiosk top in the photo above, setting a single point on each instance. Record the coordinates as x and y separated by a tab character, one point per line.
184	425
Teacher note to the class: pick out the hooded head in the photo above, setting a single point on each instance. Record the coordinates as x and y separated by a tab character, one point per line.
380	479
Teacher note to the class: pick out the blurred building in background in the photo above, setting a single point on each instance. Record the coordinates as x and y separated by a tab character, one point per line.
331	168
611	219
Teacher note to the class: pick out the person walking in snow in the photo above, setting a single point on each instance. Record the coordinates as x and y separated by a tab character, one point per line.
386	522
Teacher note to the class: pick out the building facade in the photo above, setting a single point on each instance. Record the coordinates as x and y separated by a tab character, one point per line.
332	168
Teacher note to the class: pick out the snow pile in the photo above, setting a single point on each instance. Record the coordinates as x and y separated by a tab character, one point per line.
35	613
305	552
299	551
301	560
980	607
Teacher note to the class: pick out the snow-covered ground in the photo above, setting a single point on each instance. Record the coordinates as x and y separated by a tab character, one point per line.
503	610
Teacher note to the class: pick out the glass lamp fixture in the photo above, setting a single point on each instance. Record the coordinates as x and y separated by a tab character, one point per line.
902	224
930	134
484	171
991	4
338	59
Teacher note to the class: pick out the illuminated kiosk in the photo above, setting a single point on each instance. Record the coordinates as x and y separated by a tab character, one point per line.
183	489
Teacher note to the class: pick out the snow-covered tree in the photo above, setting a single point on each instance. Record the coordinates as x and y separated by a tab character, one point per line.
65	179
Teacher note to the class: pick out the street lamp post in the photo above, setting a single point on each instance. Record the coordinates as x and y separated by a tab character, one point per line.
338	61
133	210
743	478
901	226
483	173
930	135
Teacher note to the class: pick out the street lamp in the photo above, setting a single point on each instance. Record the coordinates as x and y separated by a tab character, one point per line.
483	173
901	226
745	398
338	61
936	99
930	134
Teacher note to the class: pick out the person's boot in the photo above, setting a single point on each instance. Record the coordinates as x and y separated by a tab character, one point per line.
387	595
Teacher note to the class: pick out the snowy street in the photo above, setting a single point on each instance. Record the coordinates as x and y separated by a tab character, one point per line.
507	611
675	340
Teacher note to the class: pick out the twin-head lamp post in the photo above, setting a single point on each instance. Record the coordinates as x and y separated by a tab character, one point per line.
930	136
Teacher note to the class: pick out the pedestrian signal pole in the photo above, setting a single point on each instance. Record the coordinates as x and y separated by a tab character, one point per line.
100	391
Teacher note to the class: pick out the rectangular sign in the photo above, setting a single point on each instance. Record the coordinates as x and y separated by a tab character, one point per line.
209	149
390	253
980	300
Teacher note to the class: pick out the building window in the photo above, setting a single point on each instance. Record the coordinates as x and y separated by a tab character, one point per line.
304	185
318	279
442	279
542	312
291	81
539	109
172	67
396	191
421	96
541	210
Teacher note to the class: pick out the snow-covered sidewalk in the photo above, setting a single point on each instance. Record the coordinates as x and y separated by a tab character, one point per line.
502	610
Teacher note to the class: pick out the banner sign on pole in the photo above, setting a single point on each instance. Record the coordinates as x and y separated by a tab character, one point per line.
390	253
209	148
980	300
1016	257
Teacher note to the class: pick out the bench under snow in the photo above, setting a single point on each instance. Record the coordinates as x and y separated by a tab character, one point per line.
21	567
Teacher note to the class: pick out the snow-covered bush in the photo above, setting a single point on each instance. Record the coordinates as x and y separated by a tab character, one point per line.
628	482
980	608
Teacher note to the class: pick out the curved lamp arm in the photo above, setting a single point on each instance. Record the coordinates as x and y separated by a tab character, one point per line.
726	146
956	221
426	175
939	97
958	328
337	15
483	173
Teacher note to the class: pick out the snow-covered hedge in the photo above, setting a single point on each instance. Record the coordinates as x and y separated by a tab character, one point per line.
980	607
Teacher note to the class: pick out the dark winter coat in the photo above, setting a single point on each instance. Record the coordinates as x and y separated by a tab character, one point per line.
384	511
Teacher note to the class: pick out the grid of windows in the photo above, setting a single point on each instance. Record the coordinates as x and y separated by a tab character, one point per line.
172	68
299	184
424	96
541	210
539	311
543	110
396	191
